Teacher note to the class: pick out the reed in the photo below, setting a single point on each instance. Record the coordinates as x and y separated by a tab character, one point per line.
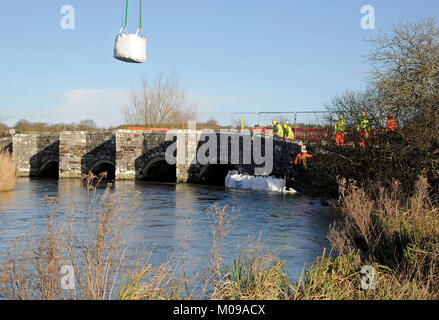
8	178
90	240
257	274
397	235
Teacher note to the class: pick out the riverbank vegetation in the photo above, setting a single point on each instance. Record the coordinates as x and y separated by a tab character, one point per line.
404	81
395	234
388	216
8	178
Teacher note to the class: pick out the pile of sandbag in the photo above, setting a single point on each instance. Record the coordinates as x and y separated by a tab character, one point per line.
235	180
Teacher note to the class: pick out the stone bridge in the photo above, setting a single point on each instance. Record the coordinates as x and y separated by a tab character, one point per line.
130	155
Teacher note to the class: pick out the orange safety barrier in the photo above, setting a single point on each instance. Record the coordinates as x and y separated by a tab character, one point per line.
147	129
311	134
263	130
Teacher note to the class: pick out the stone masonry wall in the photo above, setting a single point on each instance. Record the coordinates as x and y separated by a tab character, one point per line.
100	147
133	152
129	146
72	147
32	151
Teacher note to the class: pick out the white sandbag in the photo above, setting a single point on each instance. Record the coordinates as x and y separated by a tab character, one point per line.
238	181
130	48
234	180
274	184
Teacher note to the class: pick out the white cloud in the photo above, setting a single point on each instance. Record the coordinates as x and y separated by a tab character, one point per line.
102	105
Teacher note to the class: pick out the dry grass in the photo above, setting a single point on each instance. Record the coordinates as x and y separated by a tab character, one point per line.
8	179
257	274
154	283
340	279
396	234
220	219
386	225
91	243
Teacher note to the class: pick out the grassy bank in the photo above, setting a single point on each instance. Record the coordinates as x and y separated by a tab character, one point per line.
395	234
8	178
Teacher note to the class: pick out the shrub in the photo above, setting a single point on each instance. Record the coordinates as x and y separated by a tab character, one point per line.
383	227
340	278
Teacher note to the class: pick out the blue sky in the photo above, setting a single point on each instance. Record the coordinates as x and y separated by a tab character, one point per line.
231	56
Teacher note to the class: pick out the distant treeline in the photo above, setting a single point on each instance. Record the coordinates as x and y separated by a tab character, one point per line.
25	126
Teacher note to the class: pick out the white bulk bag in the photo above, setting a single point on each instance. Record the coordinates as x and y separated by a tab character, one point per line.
234	180
130	47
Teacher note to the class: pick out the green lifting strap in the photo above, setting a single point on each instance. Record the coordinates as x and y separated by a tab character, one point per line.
140	14
125	10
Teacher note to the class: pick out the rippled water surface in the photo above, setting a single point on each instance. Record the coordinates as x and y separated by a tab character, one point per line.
294	225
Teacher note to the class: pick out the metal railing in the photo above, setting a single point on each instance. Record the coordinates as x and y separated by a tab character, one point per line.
312	126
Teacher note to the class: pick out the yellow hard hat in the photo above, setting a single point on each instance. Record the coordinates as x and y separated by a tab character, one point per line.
341	117
363	114
274	122
285	126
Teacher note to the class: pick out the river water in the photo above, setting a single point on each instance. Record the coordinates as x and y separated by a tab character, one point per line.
171	214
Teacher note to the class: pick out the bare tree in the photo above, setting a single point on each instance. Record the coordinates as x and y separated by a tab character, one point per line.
88	124
406	72
159	103
3	130
352	103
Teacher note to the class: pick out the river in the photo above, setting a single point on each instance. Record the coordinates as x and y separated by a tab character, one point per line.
294	225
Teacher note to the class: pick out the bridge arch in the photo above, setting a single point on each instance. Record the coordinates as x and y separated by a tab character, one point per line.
107	166
215	174
49	169
159	170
